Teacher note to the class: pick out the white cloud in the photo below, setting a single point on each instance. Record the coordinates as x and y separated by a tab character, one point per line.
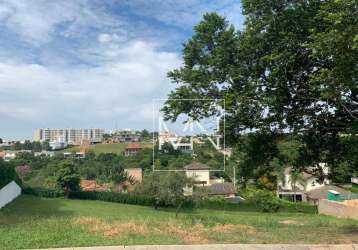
86	63
120	89
186	13
36	20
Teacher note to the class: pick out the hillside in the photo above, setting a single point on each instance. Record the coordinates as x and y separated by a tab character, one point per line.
116	148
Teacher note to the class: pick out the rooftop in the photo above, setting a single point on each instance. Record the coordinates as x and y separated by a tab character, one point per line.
133	146
196	166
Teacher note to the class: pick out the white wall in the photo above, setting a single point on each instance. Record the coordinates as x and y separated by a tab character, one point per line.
9	193
199	175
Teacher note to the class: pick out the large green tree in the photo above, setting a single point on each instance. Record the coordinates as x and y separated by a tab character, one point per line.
293	69
67	178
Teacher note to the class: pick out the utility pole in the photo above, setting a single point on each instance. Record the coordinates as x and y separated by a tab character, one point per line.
234	168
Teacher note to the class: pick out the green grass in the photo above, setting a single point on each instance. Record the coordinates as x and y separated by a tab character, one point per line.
116	148
32	222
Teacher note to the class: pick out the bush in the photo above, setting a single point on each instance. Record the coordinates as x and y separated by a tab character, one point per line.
265	201
133	199
8	174
43	192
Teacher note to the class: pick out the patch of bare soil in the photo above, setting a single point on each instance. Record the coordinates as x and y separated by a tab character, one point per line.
224	228
193	234
291	222
112	229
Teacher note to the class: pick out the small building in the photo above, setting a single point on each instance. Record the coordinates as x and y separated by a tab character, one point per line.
225	189
126	135
314	195
8	155
45	153
199	173
77	155
132	149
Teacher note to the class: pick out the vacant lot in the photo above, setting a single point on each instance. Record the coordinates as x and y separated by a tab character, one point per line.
32	222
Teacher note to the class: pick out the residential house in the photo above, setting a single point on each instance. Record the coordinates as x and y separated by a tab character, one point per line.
8	155
302	188
126	135
200	173
226	189
132	149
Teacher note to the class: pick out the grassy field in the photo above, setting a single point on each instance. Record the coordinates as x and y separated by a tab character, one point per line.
116	148
32	222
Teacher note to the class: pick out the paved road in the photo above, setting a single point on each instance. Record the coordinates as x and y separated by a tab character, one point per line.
223	247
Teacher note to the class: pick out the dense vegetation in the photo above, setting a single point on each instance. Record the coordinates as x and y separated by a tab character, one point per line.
287	83
109	167
7	174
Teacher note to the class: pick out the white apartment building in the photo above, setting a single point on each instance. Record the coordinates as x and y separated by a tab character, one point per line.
70	136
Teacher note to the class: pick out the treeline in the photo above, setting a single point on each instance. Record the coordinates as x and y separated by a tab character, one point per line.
28	145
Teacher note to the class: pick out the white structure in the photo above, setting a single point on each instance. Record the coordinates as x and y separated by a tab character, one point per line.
8	155
60	143
71	136
9	193
178	142
45	153
199	173
354	180
307	183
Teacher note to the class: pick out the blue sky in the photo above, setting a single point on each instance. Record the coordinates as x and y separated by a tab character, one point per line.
92	63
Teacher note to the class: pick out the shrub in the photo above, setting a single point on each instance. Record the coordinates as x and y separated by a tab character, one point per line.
43	192
133	199
8	174
265	201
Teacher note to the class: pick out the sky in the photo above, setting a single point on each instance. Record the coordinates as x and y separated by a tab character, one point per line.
92	63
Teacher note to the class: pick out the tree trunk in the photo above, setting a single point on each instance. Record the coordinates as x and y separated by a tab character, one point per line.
178	209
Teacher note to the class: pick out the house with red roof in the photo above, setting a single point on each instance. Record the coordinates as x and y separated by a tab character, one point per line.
132	149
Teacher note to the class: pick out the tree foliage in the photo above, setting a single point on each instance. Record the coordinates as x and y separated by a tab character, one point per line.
68	178
168	189
292	70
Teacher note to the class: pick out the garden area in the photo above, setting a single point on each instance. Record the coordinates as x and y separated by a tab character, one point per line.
33	222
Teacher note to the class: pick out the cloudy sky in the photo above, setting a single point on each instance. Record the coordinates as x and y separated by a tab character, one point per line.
91	63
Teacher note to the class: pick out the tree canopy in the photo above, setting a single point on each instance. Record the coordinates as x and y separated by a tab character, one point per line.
291	70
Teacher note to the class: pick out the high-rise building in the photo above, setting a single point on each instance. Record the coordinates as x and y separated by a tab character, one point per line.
70	136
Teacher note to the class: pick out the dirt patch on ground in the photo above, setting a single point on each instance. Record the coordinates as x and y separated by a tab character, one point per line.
190	234
291	222
113	229
224	228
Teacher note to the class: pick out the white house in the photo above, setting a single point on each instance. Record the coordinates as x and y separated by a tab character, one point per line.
200	173
8	155
300	189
